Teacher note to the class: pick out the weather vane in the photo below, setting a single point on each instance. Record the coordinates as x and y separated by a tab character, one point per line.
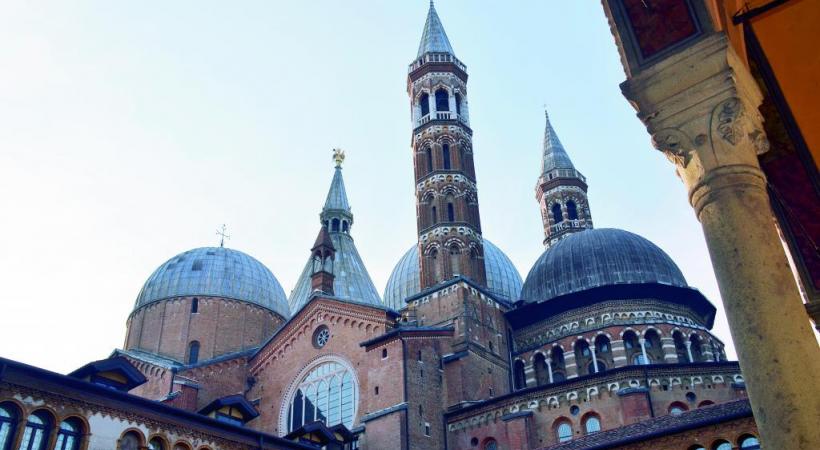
338	156
222	235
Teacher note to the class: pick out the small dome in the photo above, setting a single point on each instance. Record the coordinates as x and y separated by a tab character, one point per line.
502	276
595	258
215	272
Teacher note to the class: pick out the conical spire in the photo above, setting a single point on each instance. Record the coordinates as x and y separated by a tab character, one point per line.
555	157
336	195
434	39
323	241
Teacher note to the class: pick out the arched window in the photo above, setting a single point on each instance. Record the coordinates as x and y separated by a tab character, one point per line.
518	374
334	224
131	440
563	430
429	153
654	348
696	447
193	352
705	403
181	446
194	305
592	424
69	435
433	215
749	442
445	155
540	365
327	393
442	100
572	210
344	226
491	444
633	348
558	365
557	217
603	351
455	253
721	445
36	436
697	351
424	100
677	408
451	213
680	347
156	444
583	356
8	424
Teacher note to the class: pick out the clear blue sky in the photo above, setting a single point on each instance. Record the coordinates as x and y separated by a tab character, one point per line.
129	131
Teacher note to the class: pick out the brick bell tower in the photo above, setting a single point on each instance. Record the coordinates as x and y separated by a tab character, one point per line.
561	191
449	227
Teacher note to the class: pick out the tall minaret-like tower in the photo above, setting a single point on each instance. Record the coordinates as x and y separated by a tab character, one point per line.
449	227
561	191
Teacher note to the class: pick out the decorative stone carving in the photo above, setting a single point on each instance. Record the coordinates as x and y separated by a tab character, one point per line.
675	144
730	121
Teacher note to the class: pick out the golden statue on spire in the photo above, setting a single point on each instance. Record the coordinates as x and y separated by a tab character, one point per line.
338	156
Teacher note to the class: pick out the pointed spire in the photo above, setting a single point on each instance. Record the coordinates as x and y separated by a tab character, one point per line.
323	241
554	157
337	196
434	39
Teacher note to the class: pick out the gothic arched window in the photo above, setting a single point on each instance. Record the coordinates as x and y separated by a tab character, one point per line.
334	225
442	100
8	424
451	213
433	215
455	253
540	365
328	393
445	155
557	217
36	433
429	153
193	352
572	210
424	101
69	435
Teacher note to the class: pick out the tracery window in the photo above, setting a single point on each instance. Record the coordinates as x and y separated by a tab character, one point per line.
69	435
327	393
35	436
8	423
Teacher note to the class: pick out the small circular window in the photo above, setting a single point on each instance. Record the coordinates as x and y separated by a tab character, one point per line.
321	336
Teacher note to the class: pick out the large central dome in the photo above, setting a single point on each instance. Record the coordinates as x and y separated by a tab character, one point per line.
595	258
215	272
502	276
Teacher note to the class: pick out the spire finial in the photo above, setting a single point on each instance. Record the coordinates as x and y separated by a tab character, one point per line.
221	232
338	156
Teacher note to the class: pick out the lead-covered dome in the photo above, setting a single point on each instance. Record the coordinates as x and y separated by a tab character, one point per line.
215	272
502	276
596	258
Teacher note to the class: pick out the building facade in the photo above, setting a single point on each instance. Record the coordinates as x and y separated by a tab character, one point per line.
603	344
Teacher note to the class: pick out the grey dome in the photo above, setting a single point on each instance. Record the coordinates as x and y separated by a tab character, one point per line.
595	258
502	277
215	272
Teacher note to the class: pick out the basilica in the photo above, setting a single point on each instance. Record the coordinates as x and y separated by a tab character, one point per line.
603	344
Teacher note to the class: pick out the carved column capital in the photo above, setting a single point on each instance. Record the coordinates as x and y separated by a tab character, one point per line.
700	107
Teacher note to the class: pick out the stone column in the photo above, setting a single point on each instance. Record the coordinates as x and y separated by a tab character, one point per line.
529	376
700	106
594	357
619	354
643	350
549	368
670	355
688	345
